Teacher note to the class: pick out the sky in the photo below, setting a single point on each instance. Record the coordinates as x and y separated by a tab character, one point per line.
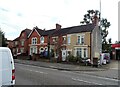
16	15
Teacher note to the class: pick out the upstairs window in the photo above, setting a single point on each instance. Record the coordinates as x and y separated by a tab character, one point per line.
22	42
42	39
69	40
80	40
34	40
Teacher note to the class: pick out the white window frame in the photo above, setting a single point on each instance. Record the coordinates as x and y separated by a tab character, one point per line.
79	39
22	50
82	52
78	50
34	40
42	41
69	40
22	42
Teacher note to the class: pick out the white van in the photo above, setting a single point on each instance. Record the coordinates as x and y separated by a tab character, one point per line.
7	69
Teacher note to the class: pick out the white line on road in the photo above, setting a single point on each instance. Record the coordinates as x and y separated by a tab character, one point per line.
86	81
36	71
36	66
33	70
102	77
74	73
114	68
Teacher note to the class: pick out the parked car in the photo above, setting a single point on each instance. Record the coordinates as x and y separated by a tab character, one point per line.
105	58
7	69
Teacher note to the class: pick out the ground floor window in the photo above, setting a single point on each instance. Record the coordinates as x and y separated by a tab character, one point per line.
82	52
22	50
79	52
33	50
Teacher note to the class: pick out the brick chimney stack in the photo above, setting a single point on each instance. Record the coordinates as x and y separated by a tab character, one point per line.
58	26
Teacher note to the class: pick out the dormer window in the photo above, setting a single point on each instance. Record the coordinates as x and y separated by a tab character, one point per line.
42	39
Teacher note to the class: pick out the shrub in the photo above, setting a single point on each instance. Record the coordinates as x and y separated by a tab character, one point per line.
71	58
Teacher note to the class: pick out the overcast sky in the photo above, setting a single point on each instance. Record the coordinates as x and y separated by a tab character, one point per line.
16	15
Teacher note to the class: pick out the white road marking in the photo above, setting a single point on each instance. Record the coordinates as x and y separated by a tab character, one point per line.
114	68
36	71
36	66
86	81
74	73
102	77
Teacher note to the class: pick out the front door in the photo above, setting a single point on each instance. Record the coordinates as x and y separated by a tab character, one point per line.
64	55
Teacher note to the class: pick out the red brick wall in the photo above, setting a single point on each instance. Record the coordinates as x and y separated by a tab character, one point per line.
34	34
25	42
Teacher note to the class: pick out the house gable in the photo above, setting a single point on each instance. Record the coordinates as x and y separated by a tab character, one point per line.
37	30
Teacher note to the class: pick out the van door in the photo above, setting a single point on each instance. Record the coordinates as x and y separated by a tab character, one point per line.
0	69
6	68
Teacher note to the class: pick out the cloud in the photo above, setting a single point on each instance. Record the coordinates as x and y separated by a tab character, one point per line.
3	9
16	15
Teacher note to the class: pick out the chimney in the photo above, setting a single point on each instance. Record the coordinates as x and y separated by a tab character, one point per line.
58	26
95	20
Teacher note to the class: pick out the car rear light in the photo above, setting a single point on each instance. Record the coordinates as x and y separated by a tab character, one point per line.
13	74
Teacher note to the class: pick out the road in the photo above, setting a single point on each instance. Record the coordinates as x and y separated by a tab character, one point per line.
34	75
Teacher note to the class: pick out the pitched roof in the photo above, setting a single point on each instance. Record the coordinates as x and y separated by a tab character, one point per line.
27	31
74	29
16	39
48	32
39	31
82	28
64	31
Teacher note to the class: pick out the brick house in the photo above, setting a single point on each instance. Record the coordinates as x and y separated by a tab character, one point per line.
38	40
23	41
83	41
15	48
34	40
20	44
10	44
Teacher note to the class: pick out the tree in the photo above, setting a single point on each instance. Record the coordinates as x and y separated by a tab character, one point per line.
2	39
104	24
89	17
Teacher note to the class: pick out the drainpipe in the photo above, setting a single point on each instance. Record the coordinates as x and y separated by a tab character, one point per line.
49	47
90	45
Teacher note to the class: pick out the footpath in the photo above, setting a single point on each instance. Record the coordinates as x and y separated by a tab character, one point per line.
106	71
60	66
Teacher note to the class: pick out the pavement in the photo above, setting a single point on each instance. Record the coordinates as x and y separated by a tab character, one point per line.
61	66
108	71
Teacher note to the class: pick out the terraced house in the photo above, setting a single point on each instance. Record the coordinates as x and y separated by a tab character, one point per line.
83	41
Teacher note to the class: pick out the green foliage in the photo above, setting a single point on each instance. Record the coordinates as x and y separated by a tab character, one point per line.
76	59
106	46
104	24
89	17
2	39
